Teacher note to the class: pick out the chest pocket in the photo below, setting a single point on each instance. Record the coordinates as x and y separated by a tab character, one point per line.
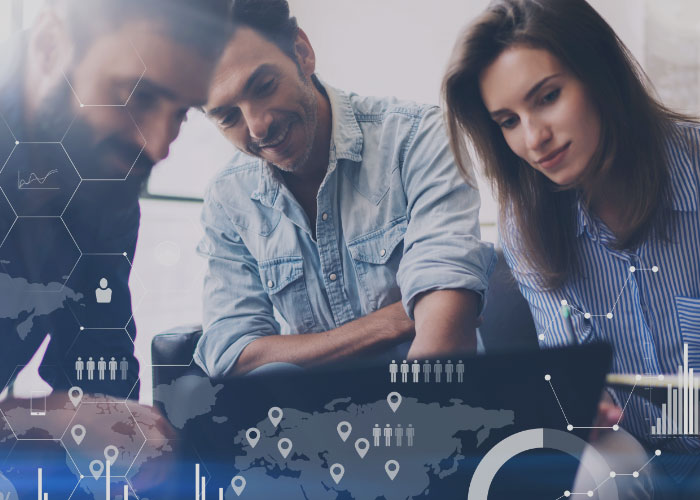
376	257
688	310
283	280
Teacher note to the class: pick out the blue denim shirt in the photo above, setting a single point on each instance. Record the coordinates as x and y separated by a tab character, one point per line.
394	220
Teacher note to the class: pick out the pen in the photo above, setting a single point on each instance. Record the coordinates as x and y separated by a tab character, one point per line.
565	312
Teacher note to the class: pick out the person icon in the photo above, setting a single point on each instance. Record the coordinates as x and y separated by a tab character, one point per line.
101	368
123	366
112	369
426	371
449	370
415	370
387	435
103	295
410	433
460	371
404	371
399	434
393	370
438	371
90	365
376	434
79	367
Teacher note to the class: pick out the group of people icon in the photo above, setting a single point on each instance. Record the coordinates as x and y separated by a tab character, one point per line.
102	366
414	369
397	433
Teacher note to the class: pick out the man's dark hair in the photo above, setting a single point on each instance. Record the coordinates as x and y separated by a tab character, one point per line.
270	18
200	24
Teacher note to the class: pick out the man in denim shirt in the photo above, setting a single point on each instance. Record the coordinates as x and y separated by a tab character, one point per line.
346	214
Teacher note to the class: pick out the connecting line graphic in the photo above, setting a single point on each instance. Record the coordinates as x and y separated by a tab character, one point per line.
570	427
608	315
613	475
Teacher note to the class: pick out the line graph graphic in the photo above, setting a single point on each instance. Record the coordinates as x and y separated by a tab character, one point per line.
35	181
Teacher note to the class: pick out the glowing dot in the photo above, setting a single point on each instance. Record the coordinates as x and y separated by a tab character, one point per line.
82	105
590	493
632	269
657	452
541	336
655	269
616	427
609	315
569	427
661	377
638	377
82	477
635	474
587	315
567	493
564	302
612	474
124	254
548	377
16	143
82	328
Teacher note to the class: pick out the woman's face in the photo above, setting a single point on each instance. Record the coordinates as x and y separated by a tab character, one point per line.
543	110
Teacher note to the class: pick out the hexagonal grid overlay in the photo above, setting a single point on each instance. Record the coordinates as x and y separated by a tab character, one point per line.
39	179
7	141
7	217
27	258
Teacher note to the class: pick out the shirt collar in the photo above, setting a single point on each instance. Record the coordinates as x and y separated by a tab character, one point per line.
346	143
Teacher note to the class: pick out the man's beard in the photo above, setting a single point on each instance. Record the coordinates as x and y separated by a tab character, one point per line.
56	121
309	121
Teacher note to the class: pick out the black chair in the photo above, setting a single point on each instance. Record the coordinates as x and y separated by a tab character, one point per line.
507	325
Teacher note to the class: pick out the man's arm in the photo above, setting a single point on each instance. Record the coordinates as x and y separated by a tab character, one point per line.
445	323
370	334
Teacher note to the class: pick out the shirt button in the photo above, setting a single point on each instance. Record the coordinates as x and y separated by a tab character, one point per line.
333	277
324	216
382	253
270	284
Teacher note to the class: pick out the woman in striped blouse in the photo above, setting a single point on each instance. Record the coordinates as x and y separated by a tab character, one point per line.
597	184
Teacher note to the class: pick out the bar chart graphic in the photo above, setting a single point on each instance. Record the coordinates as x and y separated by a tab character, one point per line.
679	415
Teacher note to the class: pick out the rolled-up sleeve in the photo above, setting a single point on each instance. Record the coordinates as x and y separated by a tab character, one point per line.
442	245
236	309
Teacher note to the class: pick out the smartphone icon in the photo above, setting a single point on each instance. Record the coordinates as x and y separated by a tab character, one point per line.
37	405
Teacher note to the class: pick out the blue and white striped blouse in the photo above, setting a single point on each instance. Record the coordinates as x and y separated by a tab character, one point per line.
645	302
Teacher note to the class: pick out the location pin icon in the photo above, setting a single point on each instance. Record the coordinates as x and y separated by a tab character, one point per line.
96	468
238	485
111	454
344	430
362	446
78	433
76	395
253	436
394	400
275	415
391	468
285	446
337	472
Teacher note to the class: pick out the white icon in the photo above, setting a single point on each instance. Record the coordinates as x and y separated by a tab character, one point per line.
33	177
362	446
337	472
410	433
101	367
78	432
103	295
111	454
460	371
96	468
90	365
344	430
275	415
449	369
112	369
415	370
394	400
376	434
387	435
76	395
37	404
404	371
393	370
238	484
79	367
285	446
253	436
391	468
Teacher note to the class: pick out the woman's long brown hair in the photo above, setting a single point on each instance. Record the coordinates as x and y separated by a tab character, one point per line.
634	128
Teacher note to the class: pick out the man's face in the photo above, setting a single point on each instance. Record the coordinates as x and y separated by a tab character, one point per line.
264	102
129	91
